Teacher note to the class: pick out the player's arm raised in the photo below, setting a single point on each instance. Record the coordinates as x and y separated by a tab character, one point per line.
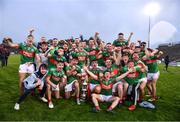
47	53
118	58
95	38
129	39
13	45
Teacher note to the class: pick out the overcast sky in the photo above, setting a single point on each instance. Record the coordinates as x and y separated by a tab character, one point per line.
66	18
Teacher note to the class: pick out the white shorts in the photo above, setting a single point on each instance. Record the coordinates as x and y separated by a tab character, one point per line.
56	89
25	68
115	86
106	98
153	76
69	87
92	86
143	80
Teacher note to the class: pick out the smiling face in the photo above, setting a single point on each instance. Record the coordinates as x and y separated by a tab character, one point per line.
55	42
60	52
107	75
60	66
109	47
125	59
121	36
132	46
74	46
83	44
77	40
80	47
43	70
65	47
136	56
74	61
94	64
30	40
91	43
118	48
108	63
130	64
44	47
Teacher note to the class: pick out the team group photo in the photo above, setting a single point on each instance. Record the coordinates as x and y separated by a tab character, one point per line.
86	61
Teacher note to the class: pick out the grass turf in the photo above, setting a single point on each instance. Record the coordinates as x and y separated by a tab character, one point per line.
167	107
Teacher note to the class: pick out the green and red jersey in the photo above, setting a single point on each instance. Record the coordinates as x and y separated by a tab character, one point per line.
106	86
53	50
27	53
120	43
93	52
141	54
71	78
54	59
106	54
152	64
113	69
96	72
142	74
131	78
73	54
55	75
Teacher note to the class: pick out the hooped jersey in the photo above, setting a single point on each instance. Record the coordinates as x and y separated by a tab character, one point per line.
106	86
55	75
27	53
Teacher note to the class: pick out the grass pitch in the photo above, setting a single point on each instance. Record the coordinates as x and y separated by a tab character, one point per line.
167	107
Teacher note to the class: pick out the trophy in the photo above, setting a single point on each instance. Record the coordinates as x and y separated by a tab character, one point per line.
84	86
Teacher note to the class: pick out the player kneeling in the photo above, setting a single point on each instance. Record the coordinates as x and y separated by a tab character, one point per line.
94	85
33	81
73	72
56	79
106	90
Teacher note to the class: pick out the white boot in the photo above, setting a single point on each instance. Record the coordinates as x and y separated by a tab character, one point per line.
44	99
51	105
78	101
17	106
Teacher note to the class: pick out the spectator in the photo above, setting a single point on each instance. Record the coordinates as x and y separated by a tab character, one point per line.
166	61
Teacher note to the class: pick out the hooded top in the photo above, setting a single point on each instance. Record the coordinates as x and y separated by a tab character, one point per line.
29	82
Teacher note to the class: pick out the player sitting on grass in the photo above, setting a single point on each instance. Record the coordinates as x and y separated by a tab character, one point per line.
55	79
106	83
35	80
